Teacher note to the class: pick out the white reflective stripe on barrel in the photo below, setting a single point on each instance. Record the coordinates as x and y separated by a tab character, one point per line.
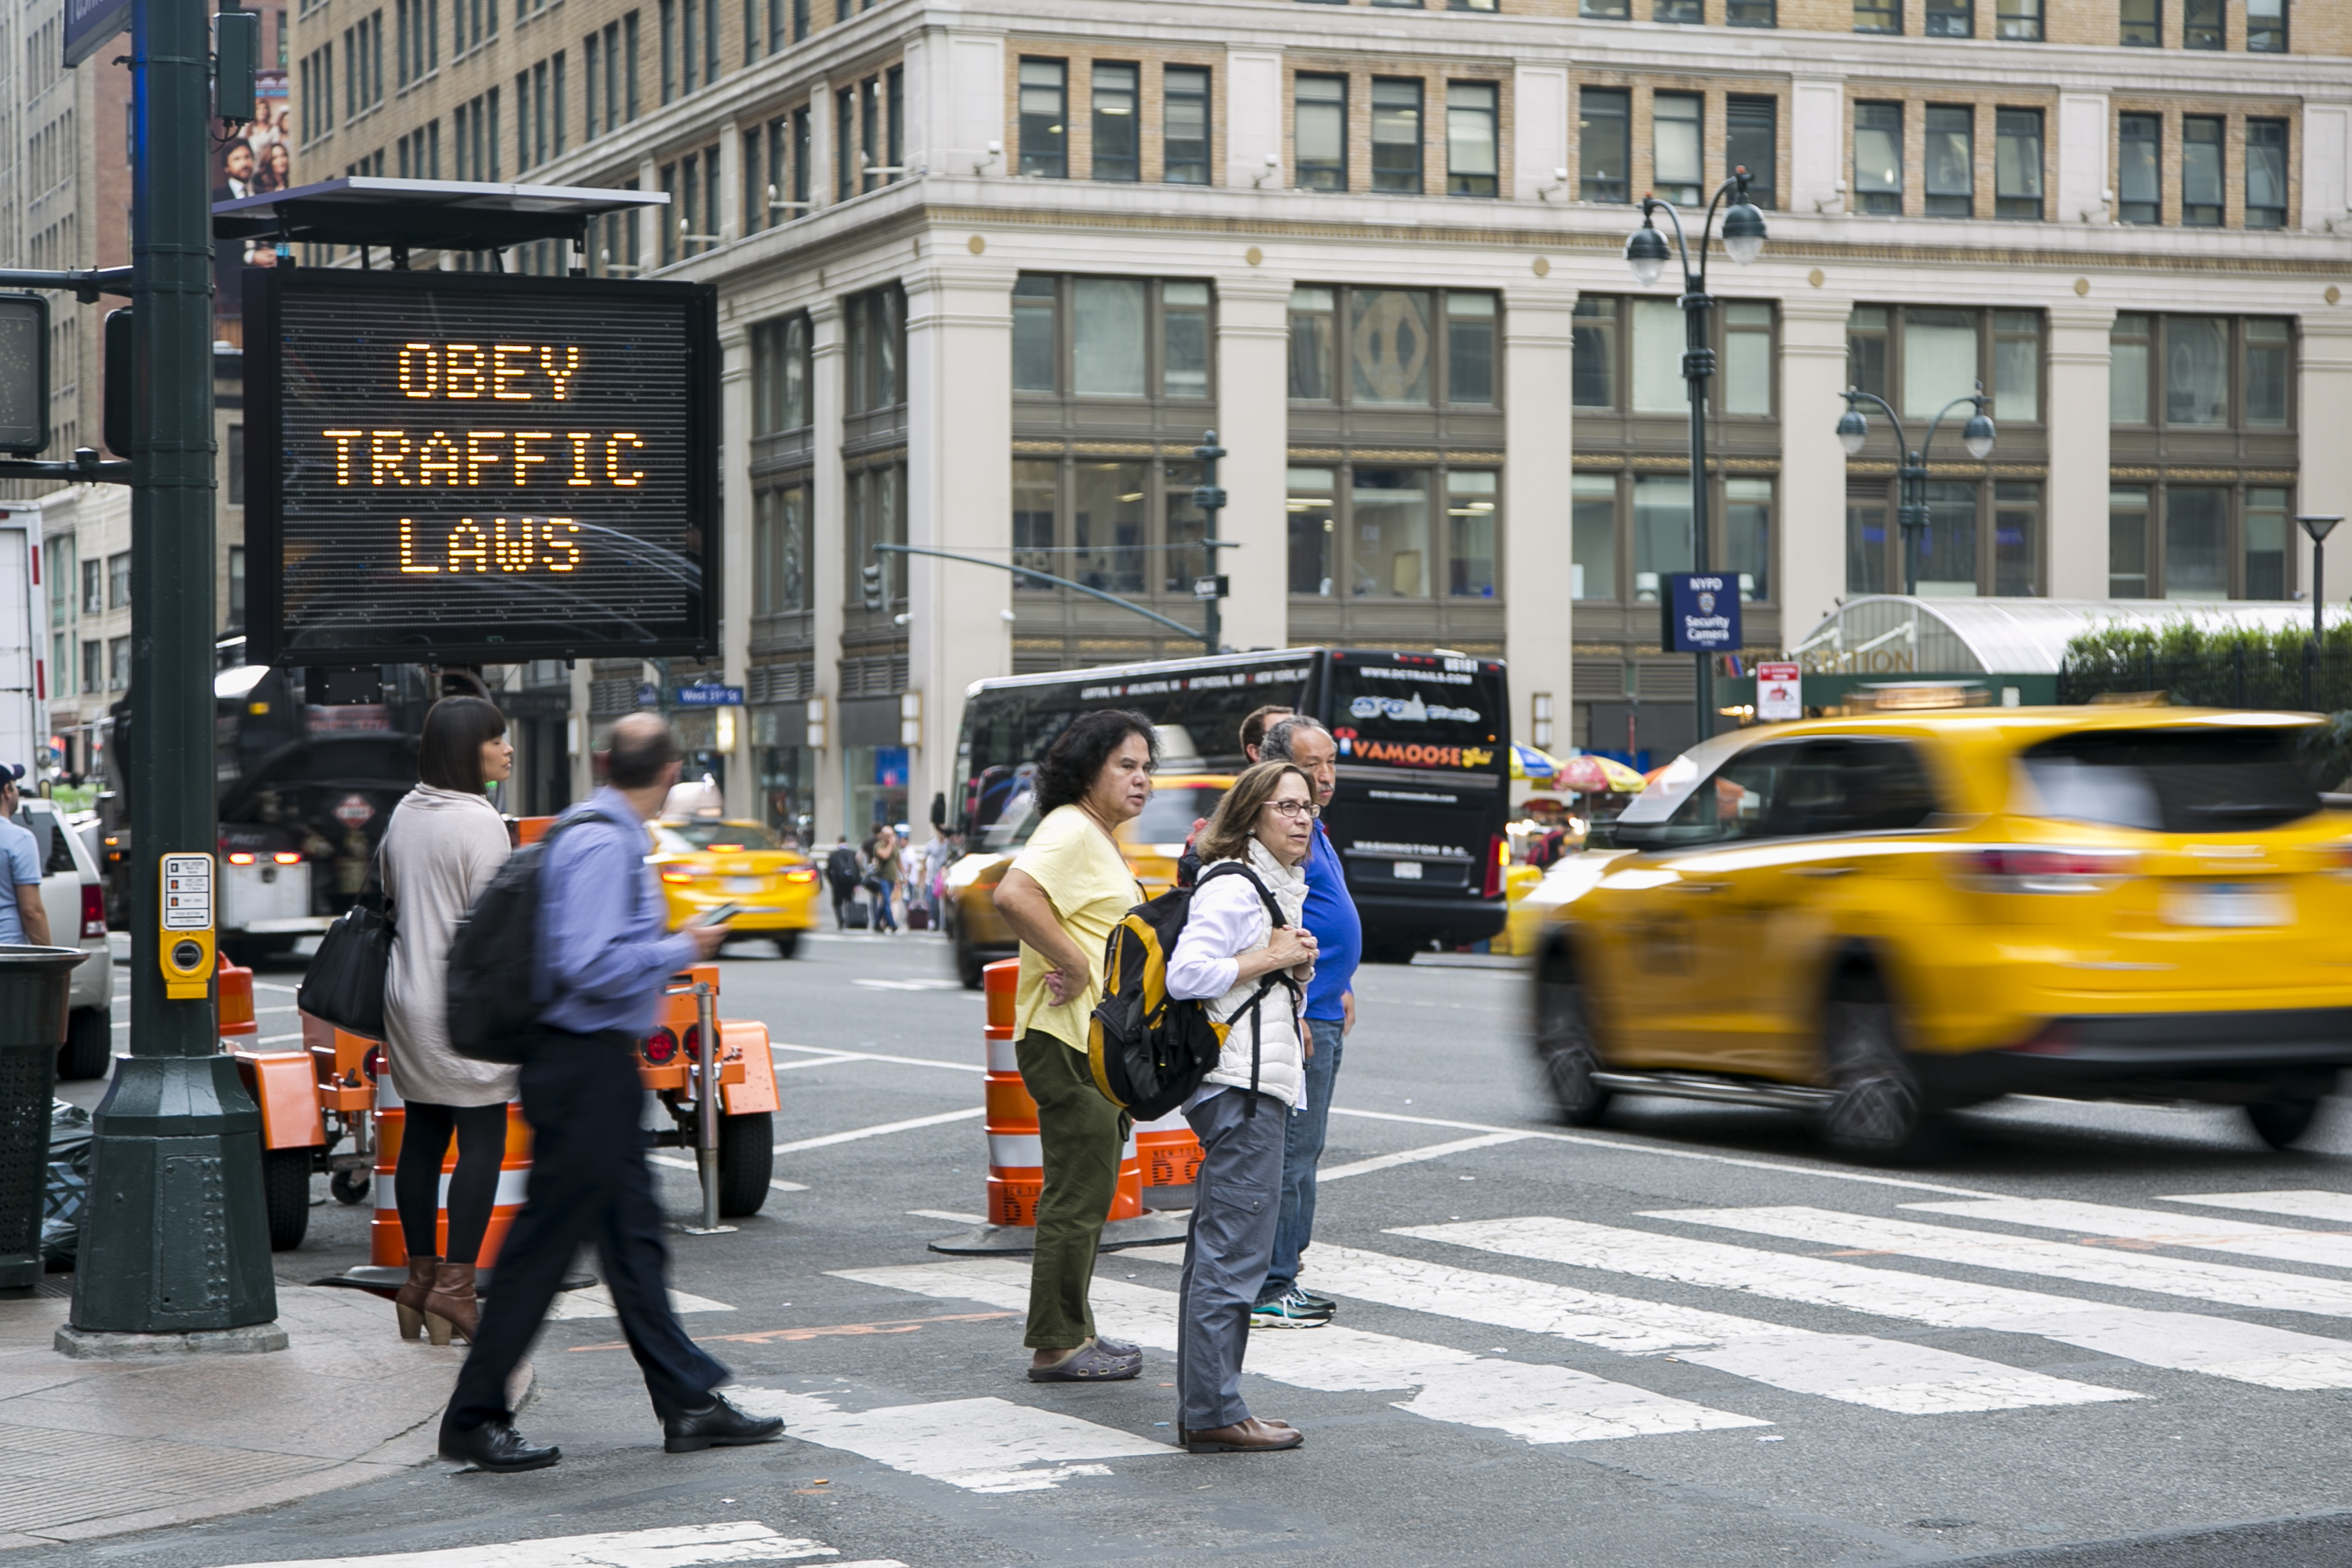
387	1098
1016	1151
1003	1056
1128	1152
510	1190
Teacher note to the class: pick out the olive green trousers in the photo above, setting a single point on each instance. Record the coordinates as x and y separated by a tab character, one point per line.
1082	1134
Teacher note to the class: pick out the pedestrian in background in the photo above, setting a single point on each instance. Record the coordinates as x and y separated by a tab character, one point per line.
1253	728
1330	1012
602	960
841	874
1243	951
1069	887
444	844
883	856
22	918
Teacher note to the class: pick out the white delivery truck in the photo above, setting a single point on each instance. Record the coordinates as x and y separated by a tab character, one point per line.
24	634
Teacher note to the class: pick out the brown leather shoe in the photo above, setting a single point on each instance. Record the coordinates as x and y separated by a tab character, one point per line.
452	1307
410	1299
1250	1436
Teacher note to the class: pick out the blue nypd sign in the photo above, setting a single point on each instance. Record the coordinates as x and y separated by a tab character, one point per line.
1702	614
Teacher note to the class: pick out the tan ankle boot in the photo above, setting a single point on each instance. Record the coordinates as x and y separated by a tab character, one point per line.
452	1308
410	1300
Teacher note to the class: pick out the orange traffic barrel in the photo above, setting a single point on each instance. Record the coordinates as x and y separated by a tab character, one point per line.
1016	1160
387	1244
1170	1151
236	1007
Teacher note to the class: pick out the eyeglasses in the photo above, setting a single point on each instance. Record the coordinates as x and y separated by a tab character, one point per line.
1294	810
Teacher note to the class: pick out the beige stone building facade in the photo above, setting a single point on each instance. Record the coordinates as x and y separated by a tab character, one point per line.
987	274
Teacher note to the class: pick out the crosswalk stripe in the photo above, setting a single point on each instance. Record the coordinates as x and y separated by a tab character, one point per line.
984	1445
2147	1272
1534	1402
2183	1341
670	1546
596	1302
855	1133
2244	1238
1412	1156
2307	1203
1858	1369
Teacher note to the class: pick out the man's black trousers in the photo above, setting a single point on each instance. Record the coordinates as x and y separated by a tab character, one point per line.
589	1183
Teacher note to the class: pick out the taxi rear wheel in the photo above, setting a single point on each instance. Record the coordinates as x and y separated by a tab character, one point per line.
2279	1123
1877	1111
1565	1049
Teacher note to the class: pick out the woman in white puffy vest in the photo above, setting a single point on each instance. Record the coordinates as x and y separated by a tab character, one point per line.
1244	947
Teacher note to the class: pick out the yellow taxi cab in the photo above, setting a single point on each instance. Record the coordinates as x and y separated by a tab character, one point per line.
1152	844
705	862
1880	918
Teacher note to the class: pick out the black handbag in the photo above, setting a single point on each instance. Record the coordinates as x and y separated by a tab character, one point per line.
344	985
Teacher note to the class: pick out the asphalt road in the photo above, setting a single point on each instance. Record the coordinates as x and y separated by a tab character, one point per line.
1684	1338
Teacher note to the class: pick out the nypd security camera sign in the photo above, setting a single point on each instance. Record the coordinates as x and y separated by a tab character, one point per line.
1702	614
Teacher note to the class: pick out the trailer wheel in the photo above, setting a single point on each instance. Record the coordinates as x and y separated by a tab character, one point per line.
286	1195
88	1050
747	1156
352	1186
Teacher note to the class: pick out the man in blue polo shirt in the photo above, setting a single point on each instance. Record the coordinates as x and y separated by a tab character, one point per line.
22	918
1331	918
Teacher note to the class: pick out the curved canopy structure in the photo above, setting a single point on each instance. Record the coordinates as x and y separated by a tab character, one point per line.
1893	634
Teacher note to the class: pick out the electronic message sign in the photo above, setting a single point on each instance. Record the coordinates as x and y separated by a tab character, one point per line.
454	467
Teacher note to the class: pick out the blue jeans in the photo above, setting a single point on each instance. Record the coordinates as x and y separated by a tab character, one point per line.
1302	1148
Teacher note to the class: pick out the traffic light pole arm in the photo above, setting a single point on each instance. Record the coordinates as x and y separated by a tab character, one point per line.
1127	605
86	468
85	286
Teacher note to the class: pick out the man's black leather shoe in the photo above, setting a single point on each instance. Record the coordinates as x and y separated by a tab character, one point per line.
722	1426
495	1446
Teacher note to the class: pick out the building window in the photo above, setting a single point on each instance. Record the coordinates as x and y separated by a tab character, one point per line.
2203	138
2017	163
1489	5
1044	100
876	514
782	550
1472	165
2019	21
1952	19
1471	495
2017	366
1320	110
1878	156
669	49
1106	337
780	375
1951	164
2196	371
2130	349
869	127
2269	363
1394	356
1388	546
1035	299
2265	534
1749	14
1124	337
1313	345
91	670
236	472
1678	171
876	342
1396	135
1878	16
2127	543
1627	356
118	581
1604	10
2266	173
1184	125
1470	349
1919	358
2142	23
1593	379
2266	26
118	664
2201	24
2140	190
1686	11
1752	142
1116	133
235	588
1605	144
2196	546
1592	537
1744	384
845	144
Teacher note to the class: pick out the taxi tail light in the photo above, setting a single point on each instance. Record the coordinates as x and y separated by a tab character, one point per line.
2046	869
811	877
240	858
677	876
287	857
1499	855
659	1048
93	909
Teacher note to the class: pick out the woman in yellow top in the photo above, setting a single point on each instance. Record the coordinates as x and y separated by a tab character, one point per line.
1063	894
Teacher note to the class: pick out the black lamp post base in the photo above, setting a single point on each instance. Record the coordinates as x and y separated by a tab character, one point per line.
254	1339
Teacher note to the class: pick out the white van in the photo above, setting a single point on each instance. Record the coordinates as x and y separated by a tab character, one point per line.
76	902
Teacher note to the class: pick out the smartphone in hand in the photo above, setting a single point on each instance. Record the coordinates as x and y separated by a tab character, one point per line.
722	914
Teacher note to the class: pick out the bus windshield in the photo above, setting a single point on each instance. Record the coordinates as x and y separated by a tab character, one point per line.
1437	712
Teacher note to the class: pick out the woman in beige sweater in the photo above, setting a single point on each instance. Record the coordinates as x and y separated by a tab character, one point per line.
445	843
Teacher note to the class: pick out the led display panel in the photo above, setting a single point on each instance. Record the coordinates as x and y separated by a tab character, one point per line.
448	467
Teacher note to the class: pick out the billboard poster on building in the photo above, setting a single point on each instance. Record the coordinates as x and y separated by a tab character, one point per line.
253	159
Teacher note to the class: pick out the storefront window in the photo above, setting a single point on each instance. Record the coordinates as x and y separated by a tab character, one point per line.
874	779
1470	528
787	786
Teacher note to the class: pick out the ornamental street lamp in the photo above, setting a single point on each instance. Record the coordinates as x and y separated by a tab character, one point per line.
1911	513
2318	529
1646	254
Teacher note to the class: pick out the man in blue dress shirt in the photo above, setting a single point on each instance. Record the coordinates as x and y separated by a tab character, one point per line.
604	957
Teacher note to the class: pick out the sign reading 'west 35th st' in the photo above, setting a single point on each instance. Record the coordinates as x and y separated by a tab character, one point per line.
461	467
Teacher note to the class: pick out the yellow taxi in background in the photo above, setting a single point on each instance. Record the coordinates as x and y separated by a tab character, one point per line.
1152	844
704	861
1881	918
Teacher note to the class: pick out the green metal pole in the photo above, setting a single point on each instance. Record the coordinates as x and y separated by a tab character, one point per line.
175	1241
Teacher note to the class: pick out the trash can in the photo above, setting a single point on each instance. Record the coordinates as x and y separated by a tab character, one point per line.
33	995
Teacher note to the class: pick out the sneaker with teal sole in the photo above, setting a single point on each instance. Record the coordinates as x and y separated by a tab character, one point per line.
1288	1311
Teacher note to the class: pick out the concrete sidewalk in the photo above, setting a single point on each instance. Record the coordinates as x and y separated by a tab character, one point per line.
102	1448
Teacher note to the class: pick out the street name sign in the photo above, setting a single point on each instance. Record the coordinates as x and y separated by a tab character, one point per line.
451	466
90	24
709	696
1702	614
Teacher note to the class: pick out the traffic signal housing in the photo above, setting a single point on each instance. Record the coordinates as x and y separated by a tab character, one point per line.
877	598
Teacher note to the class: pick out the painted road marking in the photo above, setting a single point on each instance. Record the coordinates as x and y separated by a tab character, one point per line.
2306	1203
828	1331
1858	1369
814	1061
829	1139
981	1445
949	1215
2165	1276
2156	1228
672	1546
1413	1156
596	1302
839	1055
912	985
1536	1403
2180	1342
677	1164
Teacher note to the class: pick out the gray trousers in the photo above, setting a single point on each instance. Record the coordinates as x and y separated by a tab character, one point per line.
1237	1199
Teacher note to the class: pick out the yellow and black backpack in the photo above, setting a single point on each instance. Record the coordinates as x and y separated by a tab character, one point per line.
1149	1050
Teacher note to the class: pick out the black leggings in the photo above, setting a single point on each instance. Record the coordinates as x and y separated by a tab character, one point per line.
481	1132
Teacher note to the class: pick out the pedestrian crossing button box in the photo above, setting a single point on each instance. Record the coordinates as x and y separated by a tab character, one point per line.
183	944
